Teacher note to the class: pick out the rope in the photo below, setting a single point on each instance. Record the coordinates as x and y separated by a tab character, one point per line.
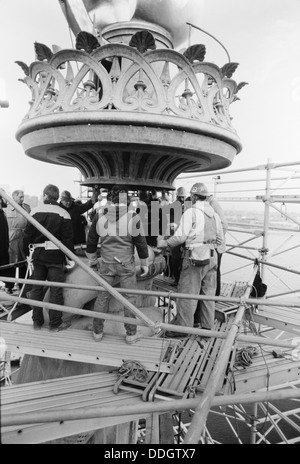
133	368
16	264
244	356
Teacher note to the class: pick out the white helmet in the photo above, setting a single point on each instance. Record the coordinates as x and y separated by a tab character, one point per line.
200	189
181	192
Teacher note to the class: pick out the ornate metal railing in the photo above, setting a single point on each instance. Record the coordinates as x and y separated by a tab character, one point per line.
131	78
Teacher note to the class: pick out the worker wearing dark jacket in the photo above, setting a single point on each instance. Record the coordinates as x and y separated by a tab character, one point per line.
76	211
119	231
48	259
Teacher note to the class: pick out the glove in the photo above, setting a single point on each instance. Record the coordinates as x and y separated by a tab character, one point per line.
70	264
145	271
162	244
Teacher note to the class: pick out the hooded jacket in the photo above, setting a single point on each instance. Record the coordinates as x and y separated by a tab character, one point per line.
118	231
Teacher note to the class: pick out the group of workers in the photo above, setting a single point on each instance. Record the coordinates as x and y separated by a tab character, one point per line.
194	238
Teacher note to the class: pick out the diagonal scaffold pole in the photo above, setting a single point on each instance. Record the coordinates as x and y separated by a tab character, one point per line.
195	430
80	263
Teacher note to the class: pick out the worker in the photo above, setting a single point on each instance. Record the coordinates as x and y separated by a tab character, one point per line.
201	230
48	259
118	230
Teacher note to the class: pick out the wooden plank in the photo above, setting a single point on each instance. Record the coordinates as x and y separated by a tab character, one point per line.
185	367
211	355
44	389
93	390
233	289
78	345
226	288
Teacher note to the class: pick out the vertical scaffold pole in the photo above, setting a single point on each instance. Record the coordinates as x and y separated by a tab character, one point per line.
266	216
253	425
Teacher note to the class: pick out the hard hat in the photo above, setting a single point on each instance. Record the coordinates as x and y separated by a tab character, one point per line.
200	189
181	192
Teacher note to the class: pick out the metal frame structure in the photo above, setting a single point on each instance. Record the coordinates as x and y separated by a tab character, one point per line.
268	413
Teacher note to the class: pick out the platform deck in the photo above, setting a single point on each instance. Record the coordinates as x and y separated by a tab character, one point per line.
78	345
269	369
68	393
286	319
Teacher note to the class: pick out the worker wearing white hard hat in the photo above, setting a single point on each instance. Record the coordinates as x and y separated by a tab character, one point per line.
200	229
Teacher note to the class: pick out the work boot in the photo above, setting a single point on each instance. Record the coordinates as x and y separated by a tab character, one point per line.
62	326
37	325
130	339
170	334
98	336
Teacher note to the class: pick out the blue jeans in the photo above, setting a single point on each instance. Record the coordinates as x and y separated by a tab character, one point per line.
197	280
52	273
127	275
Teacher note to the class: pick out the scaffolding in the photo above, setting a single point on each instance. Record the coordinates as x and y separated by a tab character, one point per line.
227	392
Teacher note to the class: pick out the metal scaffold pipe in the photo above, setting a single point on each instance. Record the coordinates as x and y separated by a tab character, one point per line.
189	296
143	408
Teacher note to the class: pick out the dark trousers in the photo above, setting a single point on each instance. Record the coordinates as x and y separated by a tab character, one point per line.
176	262
52	273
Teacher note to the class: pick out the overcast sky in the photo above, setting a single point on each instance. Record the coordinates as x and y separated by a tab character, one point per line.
263	36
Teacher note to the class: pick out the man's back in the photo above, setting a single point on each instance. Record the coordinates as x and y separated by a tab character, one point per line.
58	222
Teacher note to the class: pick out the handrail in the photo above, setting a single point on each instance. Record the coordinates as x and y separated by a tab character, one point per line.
188	296
253	168
266	263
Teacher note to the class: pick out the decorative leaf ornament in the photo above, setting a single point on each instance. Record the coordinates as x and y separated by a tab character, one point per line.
195	53
228	69
143	41
240	86
86	41
42	52
24	67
